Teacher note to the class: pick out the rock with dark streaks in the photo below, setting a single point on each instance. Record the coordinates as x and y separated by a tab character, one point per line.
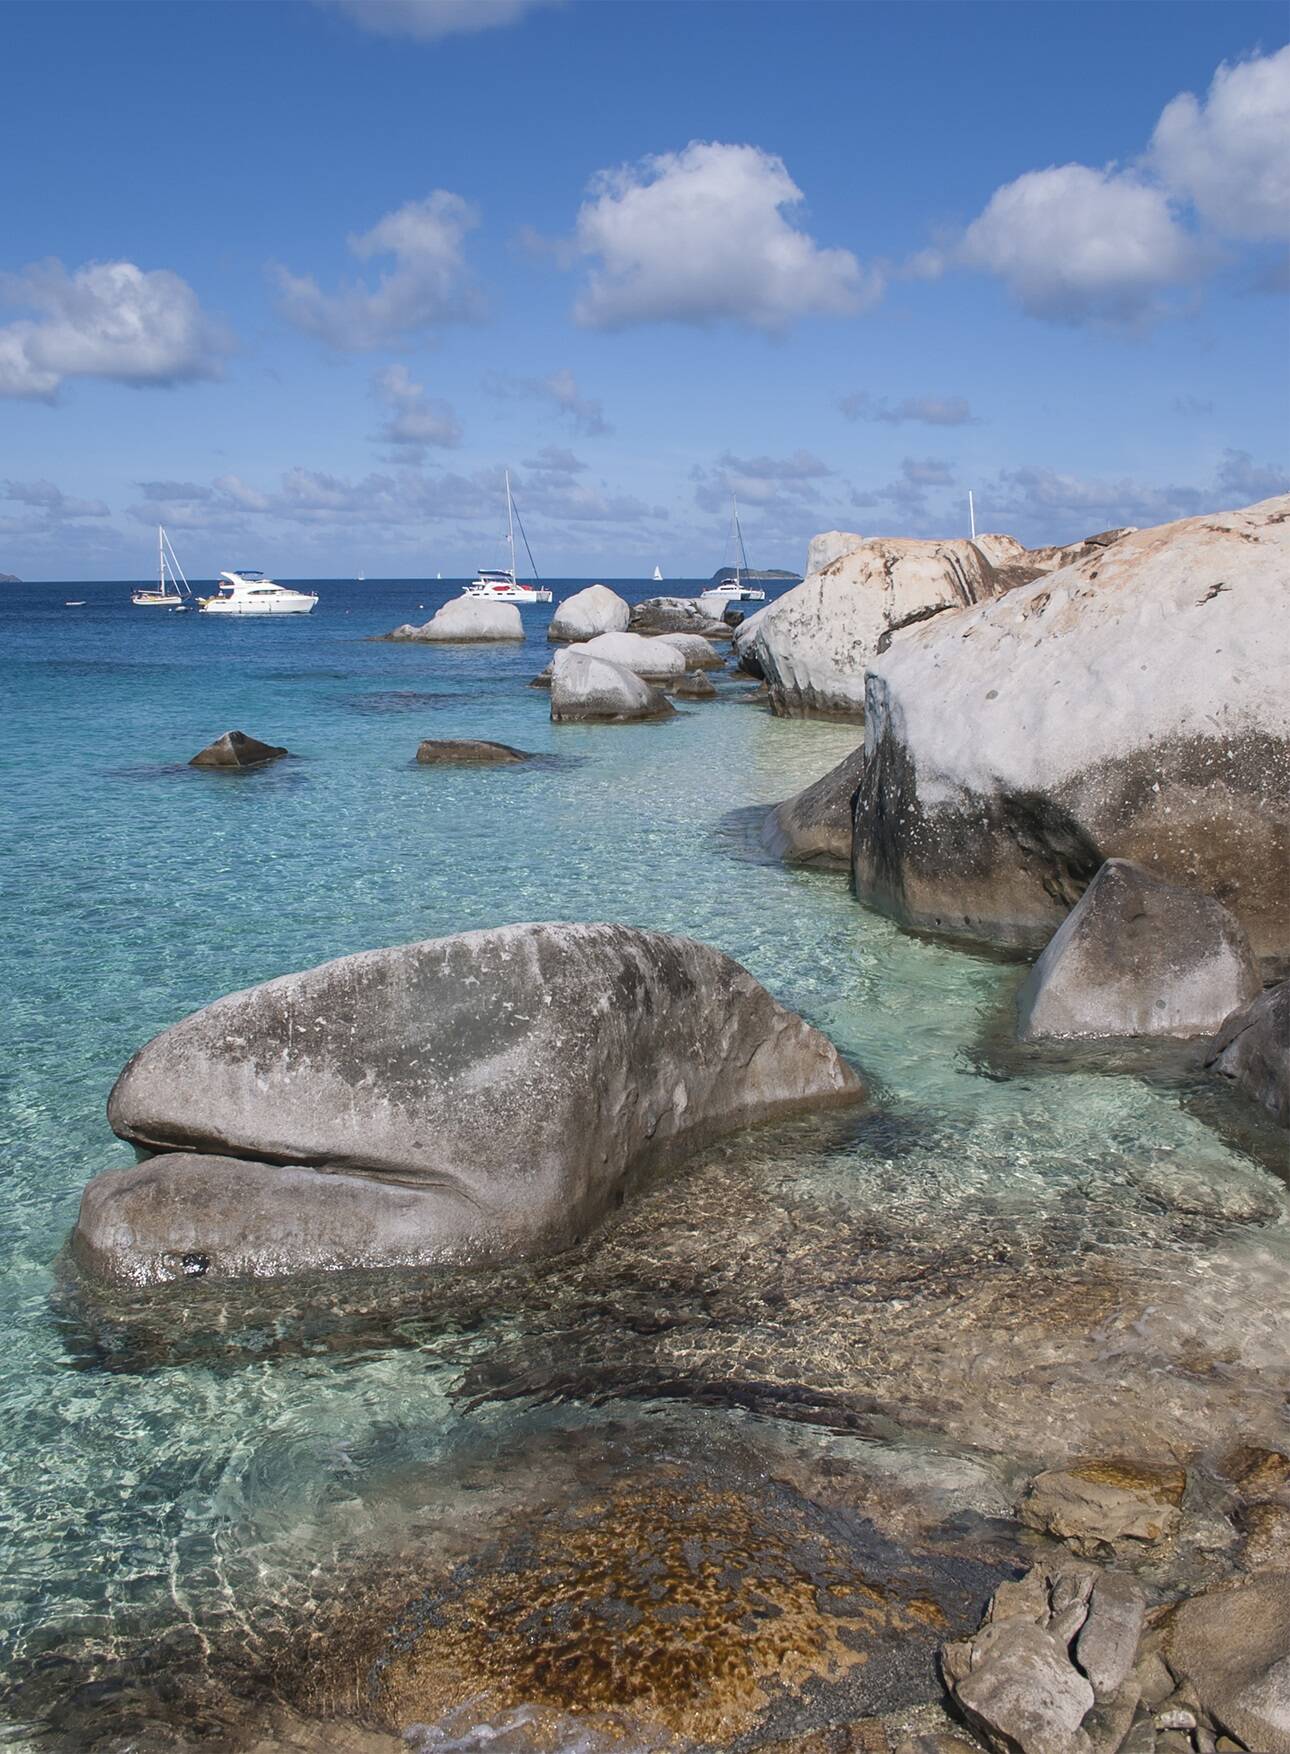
236	750
467	752
814	825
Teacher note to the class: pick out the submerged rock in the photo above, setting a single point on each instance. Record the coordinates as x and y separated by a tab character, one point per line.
653	659
466	752
814	826
699	653
1107	1499
1135	705
587	613
1253	1050
584	686
676	615
1137	956
493	1094
693	685
236	749
465	620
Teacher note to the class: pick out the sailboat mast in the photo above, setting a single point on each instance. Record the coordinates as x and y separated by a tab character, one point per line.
510	525
161	560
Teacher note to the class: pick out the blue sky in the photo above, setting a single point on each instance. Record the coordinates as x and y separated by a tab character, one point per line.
300	280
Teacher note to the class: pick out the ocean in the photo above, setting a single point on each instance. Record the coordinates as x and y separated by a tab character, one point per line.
186	1490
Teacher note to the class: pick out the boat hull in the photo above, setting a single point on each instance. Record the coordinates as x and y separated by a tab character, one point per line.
213	606
155	600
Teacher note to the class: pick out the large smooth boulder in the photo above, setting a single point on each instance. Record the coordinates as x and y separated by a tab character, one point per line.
467	752
654	659
1135	705
586	687
587	613
1138	956
676	615
465	620
814	826
830	545
1253	1050
1231	1646
495	1093
699	653
236	750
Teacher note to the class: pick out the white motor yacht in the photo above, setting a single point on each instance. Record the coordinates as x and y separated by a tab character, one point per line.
501	585
246	592
172	590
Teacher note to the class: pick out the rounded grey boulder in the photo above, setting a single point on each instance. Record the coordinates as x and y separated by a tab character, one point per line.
693	685
1253	1050
584	686
515	1080
235	749
814	825
586	613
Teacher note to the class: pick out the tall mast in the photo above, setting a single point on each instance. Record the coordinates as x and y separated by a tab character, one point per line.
734	520
161	560
510	525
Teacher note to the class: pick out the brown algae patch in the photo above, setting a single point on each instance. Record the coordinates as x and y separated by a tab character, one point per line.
688	1606
1165	1485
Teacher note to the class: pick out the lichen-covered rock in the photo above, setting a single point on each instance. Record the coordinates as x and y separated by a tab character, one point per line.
699	653
676	615
235	750
467	752
587	613
1135	705
509	1083
1253	1050
653	659
466	620
585	687
1137	956
1105	1499
814	826
1231	1645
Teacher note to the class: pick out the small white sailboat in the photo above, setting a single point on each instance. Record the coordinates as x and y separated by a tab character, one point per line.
245	591
735	589
172	590
657	575
500	585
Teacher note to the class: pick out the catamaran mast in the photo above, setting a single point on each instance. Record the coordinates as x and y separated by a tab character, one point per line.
510	525
738	536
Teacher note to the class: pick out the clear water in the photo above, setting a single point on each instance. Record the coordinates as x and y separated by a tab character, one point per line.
184	1495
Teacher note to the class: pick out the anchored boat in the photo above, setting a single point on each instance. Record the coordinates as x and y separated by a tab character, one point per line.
734	589
172	590
500	585
244	591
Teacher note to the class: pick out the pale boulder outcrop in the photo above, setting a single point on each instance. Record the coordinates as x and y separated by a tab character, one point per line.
1253	1050
1135	704
587	613
654	659
699	653
744	643
482	1097
830	545
814	826
236	750
1137	956
584	686
465	620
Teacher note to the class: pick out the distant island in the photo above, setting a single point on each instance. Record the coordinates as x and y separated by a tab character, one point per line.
724	574
9	578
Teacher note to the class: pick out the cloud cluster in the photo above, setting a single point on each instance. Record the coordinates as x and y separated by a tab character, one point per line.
704	235
1229	154
778	486
429	21
559	389
414	421
107	320
427	286
920	410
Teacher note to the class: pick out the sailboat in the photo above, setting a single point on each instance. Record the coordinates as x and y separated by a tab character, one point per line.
658	575
172	590
734	590
501	585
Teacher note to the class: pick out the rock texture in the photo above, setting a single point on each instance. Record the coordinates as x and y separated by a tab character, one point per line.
587	687
466	752
1135	704
587	613
698	652
1137	956
1232	1646
693	685
656	660
482	1097
676	615
465	620
814	826
830	545
1253	1050
235	749
1106	1499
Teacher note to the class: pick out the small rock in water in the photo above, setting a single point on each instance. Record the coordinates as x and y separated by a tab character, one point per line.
694	685
1138	957
699	653
466	620
1253	1050
1107	1499
466	752
235	749
676	615
587	687
587	613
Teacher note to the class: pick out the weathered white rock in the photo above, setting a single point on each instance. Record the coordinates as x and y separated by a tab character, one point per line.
744	642
1253	1050
1232	1646
814	826
830	545
584	686
815	641
654	659
467	619
699	653
482	1097
587	613
1135	704
1137	956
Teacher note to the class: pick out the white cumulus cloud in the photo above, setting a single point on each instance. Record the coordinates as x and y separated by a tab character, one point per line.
706	234
427	21
1229	154
427	285
415	420
107	320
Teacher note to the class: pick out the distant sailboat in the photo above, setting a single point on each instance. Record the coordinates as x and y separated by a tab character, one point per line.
734	590
658	575
172	590
501	585
362	578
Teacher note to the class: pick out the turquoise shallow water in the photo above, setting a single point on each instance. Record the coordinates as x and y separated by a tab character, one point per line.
136	889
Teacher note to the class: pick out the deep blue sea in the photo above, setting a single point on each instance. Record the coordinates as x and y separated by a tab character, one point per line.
136	889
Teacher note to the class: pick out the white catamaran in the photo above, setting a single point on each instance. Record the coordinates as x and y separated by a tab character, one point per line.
734	590
501	585
172	590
